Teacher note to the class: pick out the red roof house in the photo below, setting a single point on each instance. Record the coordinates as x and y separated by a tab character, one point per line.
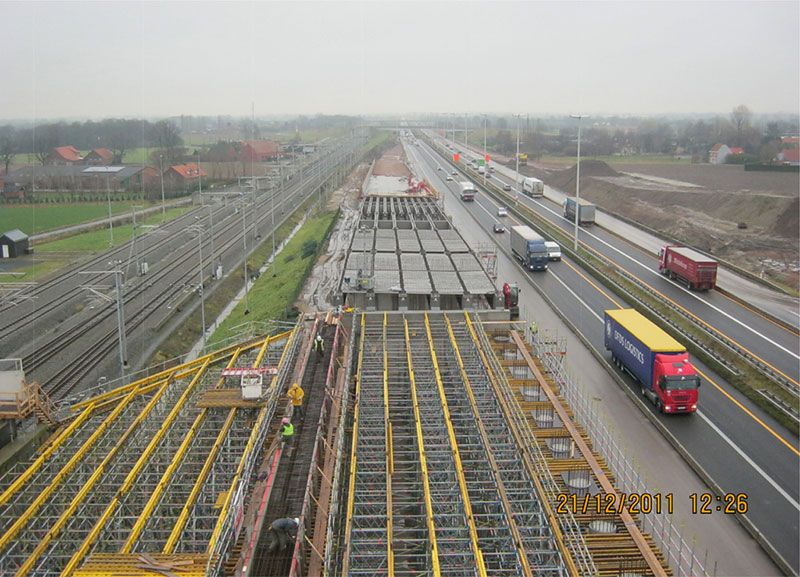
258	151
65	156
99	157
737	150
185	172
790	156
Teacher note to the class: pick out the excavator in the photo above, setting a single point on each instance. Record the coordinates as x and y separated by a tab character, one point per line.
511	299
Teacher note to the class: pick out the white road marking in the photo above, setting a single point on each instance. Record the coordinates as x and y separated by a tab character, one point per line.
688	292
700	414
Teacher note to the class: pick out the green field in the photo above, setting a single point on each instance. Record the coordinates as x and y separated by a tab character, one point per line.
98	240
271	296
34	218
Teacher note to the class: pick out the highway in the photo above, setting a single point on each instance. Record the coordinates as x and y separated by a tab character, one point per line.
739	447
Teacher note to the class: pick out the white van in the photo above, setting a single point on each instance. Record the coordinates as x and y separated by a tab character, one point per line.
553	250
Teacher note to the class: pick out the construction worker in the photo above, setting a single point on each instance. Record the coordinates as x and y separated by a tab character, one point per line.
534	331
296	394
319	346
282	532
287	432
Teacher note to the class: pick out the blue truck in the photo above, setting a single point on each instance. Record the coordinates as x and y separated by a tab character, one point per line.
529	248
659	363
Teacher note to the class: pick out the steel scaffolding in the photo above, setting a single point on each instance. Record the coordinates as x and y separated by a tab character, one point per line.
140	470
437	486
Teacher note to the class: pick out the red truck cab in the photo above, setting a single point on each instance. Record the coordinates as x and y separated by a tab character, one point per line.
675	384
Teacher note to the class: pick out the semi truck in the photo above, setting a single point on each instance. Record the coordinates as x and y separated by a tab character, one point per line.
532	187
468	191
659	363
529	248
694	269
585	211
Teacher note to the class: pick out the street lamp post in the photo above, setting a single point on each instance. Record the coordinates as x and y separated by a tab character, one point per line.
110	221
485	153
578	179
199	230
244	260
516	171
163	203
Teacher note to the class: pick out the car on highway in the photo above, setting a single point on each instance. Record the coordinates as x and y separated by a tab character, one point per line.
449	178
506	186
454	173
502	211
491	169
553	250
438	168
497	227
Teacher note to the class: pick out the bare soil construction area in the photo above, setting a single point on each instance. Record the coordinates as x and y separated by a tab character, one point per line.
392	163
703	206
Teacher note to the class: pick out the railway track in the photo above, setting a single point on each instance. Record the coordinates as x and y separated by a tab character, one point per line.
68	343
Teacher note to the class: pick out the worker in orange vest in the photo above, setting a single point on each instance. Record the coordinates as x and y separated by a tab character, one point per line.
296	394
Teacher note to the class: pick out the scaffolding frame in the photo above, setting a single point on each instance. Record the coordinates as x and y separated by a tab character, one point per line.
437	484
140	470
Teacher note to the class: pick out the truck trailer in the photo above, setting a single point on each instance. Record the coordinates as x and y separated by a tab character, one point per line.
468	191
529	248
659	363
532	187
694	269
585	212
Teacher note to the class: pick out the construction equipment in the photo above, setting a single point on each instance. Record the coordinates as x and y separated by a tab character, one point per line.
511	299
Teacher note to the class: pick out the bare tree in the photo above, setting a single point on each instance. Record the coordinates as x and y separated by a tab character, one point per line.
8	146
741	118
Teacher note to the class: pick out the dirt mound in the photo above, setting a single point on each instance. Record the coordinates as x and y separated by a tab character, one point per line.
788	223
565	179
392	163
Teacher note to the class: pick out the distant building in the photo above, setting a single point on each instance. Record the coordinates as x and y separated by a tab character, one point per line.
13	243
99	157
79	177
790	156
737	150
182	175
64	156
258	151
718	153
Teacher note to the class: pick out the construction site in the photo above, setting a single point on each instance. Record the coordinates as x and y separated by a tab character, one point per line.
436	438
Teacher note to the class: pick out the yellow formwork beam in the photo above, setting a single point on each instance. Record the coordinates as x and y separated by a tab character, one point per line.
180	523
630	525
134	472
30	562
251	441
352	486
155	496
451	434
523	558
551	517
37	464
388	450
423	461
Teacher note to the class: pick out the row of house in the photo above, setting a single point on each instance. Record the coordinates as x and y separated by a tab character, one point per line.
129	177
789	154
248	151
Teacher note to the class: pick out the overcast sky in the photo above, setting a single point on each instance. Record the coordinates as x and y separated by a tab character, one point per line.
95	59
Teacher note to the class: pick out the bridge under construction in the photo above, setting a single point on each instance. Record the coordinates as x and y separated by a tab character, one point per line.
433	443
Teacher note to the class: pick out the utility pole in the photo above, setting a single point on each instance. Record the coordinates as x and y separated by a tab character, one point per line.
110	221
244	260
578	179
163	203
516	173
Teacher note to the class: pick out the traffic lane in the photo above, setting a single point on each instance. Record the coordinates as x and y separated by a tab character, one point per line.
765	339
734	551
779	305
718	455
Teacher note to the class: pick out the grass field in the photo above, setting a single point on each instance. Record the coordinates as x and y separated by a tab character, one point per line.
271	296
97	240
34	218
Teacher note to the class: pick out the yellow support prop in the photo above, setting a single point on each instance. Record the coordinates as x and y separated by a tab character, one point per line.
155	496
251	441
388	450
37	464
65	516
87	543
451	434
546	505
526	569
422	460
352	486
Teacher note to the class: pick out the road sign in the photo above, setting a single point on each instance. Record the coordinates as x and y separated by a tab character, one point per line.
456	157
487	158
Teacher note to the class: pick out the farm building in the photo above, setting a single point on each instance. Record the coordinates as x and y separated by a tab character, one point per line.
79	177
259	151
64	156
99	157
13	243
182	175
718	153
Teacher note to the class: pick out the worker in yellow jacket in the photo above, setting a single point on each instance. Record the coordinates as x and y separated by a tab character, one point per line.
296	394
